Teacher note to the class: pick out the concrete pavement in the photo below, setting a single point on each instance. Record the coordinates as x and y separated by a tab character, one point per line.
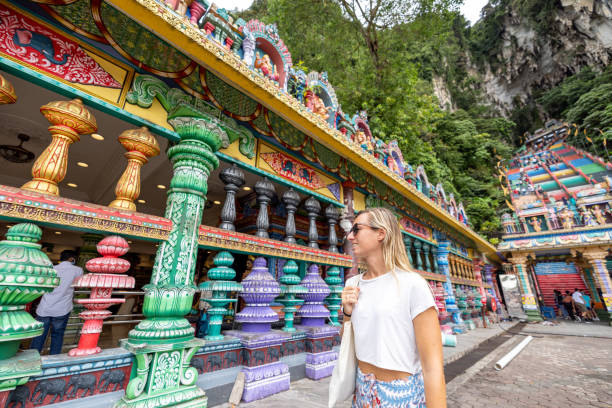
313	394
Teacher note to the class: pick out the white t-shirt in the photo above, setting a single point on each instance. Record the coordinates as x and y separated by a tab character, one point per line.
59	302
382	319
577	296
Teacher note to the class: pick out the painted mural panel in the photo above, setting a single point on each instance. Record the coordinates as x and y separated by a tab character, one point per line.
25	40
298	172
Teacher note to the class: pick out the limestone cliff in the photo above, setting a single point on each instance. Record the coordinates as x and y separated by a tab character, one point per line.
531	56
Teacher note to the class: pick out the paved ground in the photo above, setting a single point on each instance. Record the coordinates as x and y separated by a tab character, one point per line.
313	394
552	371
555	370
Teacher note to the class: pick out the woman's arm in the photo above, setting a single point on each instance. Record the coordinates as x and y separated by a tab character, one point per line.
429	344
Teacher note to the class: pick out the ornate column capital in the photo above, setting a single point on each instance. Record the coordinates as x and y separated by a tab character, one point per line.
594	253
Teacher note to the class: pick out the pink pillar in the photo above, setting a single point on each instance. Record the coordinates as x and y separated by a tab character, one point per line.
107	274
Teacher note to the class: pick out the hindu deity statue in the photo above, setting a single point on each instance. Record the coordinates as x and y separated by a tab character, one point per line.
180	6
599	216
267	68
588	218
536	223
316	105
567	218
361	139
552	216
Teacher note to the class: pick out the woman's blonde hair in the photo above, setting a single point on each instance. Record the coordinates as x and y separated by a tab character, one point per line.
394	251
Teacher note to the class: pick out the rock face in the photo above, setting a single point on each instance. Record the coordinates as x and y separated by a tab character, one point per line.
580	36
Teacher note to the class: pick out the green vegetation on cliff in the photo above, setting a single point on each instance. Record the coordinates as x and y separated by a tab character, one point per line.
584	100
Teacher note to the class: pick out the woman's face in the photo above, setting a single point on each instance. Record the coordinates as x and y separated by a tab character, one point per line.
366	240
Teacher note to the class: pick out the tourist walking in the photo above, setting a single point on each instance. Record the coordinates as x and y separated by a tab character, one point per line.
579	303
568	303
392	309
55	307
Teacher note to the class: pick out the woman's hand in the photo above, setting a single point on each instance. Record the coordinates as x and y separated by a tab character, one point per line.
350	294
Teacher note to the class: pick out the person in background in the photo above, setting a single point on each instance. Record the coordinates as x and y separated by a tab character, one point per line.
55	307
590	313
568	303
579	303
560	305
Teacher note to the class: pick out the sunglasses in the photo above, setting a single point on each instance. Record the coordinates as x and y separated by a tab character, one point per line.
355	229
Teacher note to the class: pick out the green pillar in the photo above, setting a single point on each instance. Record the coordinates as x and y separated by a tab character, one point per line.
419	261
26	273
408	244
529	301
426	249
164	342
436	267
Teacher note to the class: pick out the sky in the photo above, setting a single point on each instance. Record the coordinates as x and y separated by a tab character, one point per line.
470	9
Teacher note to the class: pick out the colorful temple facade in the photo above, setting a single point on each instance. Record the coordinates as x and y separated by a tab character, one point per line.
558	235
178	150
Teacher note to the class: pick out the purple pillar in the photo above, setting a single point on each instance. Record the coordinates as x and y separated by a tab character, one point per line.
265	374
320	357
313	312
258	290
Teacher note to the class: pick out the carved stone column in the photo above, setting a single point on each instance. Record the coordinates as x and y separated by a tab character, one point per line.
346	222
291	199
419	260
597	258
426	250
221	283
451	303
290	287
529	301
408	245
233	178
434	252
27	273
477	272
258	290
320	357
163	343
333	301
313	208
332	214
69	120
265	191
140	145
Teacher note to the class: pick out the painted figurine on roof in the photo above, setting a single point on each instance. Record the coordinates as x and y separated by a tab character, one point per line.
536	223
266	67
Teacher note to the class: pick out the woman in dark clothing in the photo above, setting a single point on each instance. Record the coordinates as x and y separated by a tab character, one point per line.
568	303
560	305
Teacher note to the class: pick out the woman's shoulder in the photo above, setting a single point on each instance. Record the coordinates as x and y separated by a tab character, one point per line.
352	281
409	275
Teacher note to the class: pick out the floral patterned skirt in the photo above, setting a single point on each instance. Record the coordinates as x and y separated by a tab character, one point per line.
371	393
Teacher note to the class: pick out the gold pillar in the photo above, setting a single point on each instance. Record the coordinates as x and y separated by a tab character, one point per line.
7	92
69	120
530	305
140	145
597	258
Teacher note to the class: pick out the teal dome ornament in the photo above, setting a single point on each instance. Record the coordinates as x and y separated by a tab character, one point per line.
290	288
221	284
26	273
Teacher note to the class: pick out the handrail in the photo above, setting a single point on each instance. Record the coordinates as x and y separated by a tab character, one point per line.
563	187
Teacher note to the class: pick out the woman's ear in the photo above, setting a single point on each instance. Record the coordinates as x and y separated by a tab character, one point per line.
380	236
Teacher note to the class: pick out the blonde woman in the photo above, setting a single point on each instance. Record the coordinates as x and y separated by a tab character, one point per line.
395	323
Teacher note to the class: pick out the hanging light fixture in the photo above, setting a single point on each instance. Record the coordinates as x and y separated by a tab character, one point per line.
17	154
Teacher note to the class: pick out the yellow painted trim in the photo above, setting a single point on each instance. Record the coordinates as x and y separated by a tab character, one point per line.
187	38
